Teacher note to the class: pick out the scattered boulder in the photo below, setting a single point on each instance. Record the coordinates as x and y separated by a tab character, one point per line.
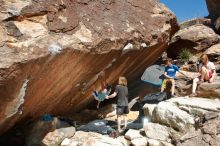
93	139
196	38
201	103
133	134
211	127
57	137
210	90
37	131
169	114
210	115
206	136
66	142
157	131
213	52
203	21
124	141
192	138
140	141
153	142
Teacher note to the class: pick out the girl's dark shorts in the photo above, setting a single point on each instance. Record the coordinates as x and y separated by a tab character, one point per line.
122	110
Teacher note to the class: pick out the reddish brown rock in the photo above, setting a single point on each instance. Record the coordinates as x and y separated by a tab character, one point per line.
197	38
52	52
214	13
204	21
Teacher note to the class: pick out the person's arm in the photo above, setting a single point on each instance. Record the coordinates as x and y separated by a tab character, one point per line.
200	68
166	76
184	74
113	95
213	72
213	76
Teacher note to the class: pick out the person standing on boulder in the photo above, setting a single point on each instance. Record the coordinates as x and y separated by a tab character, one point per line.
121	92
207	71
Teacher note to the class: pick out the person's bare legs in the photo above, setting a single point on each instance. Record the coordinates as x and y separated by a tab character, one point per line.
125	121
195	82
119	123
173	87
204	74
163	86
98	104
204	77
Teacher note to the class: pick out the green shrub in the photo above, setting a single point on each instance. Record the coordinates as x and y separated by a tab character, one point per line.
185	54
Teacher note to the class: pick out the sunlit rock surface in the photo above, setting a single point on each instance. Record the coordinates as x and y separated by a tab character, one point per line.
53	51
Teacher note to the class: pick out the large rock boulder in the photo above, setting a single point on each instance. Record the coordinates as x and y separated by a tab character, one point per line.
169	114
52	52
213	51
214	13
210	90
133	134
214	55
36	132
157	131
199	117
93	139
206	136
140	141
204	21
55	137
201	103
197	38
207	90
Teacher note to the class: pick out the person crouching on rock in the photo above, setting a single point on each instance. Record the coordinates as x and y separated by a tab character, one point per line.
121	92
169	75
207	71
105	91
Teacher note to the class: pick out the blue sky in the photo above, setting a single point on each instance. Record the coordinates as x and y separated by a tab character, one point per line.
187	9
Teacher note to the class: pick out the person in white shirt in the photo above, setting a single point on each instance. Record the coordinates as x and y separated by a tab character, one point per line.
207	71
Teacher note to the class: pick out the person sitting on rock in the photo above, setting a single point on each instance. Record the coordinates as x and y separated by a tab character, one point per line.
105	91
169	75
207	71
121	92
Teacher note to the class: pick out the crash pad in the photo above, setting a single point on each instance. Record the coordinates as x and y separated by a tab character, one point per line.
153	75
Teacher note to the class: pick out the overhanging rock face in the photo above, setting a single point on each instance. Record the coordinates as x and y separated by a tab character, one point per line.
52	51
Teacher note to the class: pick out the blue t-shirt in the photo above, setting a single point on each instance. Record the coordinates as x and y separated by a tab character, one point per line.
171	71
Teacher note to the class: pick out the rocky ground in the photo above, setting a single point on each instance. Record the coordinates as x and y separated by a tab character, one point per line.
178	121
